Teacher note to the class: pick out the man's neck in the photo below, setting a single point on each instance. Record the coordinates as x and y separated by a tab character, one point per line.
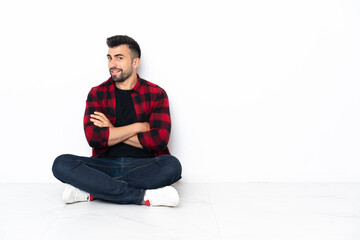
128	84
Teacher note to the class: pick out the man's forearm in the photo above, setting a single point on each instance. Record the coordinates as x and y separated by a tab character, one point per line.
133	141
125	133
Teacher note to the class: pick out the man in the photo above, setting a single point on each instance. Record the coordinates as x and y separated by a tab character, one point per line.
127	124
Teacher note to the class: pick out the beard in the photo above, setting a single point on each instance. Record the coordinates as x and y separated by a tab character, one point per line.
123	75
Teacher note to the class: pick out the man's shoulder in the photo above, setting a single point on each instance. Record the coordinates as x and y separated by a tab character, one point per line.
150	86
103	86
101	91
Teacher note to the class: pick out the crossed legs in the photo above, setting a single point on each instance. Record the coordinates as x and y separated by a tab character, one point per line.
123	180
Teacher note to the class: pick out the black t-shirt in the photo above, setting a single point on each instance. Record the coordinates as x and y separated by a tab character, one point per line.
125	115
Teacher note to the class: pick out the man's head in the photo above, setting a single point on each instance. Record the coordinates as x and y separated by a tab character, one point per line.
123	56
118	40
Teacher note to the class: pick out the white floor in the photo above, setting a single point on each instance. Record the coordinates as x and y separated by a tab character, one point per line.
207	211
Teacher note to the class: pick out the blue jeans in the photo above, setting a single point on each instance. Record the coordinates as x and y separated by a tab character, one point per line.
122	180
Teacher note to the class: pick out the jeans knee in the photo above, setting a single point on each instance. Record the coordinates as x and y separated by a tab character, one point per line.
175	167
59	166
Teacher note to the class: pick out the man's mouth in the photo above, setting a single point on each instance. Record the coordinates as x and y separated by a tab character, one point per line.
115	70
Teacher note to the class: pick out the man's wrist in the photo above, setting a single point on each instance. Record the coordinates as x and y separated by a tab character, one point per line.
143	127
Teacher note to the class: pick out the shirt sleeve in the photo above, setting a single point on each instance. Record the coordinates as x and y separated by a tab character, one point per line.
97	137
160	125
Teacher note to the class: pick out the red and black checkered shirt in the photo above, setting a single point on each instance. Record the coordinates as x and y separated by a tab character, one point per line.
151	105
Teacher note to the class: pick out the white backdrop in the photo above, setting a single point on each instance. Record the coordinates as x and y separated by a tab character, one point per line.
259	90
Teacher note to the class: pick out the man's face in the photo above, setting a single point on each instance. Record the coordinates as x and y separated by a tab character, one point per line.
120	63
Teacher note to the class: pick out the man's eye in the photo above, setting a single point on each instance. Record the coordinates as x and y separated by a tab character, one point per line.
120	58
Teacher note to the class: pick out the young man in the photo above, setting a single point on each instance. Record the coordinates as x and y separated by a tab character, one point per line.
127	123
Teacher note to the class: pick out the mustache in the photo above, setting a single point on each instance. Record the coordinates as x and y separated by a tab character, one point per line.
119	69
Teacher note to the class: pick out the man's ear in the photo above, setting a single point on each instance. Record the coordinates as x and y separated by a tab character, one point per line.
136	62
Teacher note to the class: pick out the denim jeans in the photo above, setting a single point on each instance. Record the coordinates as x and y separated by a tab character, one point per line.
122	180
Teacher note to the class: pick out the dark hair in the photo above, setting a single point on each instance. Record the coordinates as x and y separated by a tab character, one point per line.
118	40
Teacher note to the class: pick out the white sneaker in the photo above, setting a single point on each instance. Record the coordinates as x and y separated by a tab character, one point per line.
166	196
72	194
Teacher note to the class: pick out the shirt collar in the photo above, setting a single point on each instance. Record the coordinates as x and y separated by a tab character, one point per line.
136	88
138	84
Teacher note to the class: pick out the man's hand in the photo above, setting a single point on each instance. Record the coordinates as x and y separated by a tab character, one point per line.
100	120
143	126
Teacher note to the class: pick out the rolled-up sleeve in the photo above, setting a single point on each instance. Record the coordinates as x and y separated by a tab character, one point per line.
160	125
97	137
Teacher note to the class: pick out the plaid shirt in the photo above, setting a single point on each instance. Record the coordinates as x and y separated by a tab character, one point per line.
151	105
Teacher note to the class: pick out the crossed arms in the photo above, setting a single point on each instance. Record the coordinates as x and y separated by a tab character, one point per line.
126	134
151	134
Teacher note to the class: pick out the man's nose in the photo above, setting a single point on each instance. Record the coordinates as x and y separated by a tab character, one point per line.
112	64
